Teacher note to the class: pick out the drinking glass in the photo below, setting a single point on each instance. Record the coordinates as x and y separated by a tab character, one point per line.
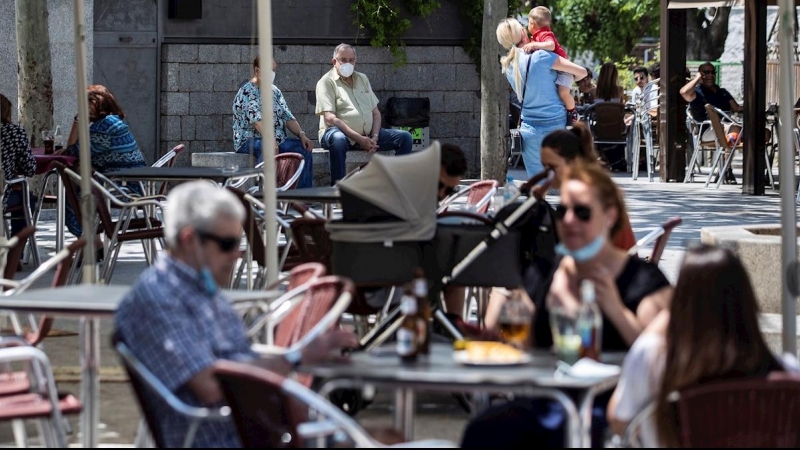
566	339
516	317
49	138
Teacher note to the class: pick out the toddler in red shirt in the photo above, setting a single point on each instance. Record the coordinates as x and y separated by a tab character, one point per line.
543	38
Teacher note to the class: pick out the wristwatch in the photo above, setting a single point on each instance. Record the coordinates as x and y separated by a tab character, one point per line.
375	136
294	357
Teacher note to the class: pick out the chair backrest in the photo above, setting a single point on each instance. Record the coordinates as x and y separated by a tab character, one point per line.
318	301
313	241
609	122
60	278
716	125
754	413
70	189
304	273
288	167
480	195
251	230
661	241
169	158
264	415
14	255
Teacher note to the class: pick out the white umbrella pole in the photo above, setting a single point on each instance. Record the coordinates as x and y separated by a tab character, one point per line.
87	203
268	139
787	151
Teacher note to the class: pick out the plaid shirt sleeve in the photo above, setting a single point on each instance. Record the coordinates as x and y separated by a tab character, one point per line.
172	345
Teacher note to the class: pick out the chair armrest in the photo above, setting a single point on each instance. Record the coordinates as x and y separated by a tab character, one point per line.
311	430
268	350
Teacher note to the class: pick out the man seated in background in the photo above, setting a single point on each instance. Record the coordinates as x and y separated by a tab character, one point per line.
588	90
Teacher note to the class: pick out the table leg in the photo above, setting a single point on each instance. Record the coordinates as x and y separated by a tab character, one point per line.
585	406
60	212
90	365
404	413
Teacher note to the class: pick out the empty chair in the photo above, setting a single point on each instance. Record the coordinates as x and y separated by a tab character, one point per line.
660	236
479	196
272	411
696	130
723	156
607	122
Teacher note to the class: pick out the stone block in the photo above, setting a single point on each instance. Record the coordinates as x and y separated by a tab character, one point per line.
221	159
226	78
208	128
208	103
447	125
175	103
288	54
408	78
196	77
227	127
459	101
170	74
244	72
444	77
320	54
188	128
180	53
375	74
299	77
429	55
310	124
467	77
370	55
171	128
216	54
460	56
437	101
322	168
759	249
248	53
297	101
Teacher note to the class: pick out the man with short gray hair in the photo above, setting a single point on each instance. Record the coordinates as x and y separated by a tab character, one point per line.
349	115
178	323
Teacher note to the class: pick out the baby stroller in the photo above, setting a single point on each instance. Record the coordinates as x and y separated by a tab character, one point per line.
390	228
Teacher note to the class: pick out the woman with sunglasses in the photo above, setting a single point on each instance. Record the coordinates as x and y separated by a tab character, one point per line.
716	338
629	292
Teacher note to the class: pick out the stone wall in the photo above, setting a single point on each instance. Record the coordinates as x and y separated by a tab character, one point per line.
200	81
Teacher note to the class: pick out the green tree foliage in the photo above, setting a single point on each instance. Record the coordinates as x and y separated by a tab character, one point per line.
472	16
386	21
609	28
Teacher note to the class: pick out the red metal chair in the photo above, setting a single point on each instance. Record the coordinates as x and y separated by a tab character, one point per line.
660	236
479	195
272	411
288	167
168	160
14	255
749	413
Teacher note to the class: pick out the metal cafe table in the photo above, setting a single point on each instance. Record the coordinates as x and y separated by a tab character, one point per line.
441	373
45	164
178	174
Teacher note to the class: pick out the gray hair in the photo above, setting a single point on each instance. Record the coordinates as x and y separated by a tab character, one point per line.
342	47
198	204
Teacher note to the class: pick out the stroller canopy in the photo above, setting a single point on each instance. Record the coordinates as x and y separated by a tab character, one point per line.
405	187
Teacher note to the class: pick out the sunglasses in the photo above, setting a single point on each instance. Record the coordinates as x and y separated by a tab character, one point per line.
708	72
582	212
638	78
448	190
226	244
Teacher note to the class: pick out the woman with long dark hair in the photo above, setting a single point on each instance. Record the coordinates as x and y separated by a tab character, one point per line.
715	336
608	88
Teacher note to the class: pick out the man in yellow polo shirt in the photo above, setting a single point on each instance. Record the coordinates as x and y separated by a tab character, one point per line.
349	115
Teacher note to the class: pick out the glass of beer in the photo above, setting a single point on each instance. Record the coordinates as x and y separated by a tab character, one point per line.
49	138
516	318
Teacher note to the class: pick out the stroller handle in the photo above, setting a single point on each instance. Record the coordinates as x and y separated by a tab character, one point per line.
548	175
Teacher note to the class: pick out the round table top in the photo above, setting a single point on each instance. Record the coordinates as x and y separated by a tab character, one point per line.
44	163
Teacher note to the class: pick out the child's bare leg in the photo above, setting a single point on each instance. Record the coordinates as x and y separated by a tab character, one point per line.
566	97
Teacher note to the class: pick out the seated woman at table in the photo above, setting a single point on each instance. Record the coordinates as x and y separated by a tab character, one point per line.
113	146
716	338
608	88
630	293
17	161
561	150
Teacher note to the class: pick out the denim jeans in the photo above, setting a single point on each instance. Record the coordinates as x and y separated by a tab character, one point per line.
532	134
337	144
292	145
252	147
17	220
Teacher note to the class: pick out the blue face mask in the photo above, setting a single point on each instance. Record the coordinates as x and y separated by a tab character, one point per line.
584	253
209	284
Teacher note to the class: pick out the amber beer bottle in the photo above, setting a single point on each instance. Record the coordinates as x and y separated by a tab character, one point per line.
420	290
408	333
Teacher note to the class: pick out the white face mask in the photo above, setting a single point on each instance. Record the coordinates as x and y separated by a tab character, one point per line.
346	69
271	77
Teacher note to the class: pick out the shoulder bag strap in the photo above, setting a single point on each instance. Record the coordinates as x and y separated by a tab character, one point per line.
524	88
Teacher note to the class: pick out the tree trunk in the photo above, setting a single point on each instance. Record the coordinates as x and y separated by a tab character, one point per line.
494	100
35	80
706	44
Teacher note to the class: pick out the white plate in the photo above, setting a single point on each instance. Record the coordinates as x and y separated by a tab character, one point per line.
462	357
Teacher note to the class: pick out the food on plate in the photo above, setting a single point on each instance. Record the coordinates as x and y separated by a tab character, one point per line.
492	352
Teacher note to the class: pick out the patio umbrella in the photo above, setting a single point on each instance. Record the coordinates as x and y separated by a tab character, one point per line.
786	16
268	134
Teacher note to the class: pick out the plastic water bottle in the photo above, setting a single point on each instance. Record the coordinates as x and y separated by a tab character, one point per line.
590	322
510	192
